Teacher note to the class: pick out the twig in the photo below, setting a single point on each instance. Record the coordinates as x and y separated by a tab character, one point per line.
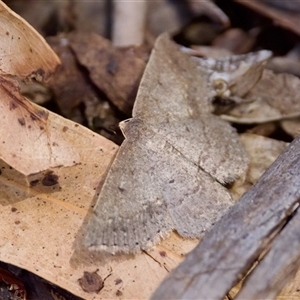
129	22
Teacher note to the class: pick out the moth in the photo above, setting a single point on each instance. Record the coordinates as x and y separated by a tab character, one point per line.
170	172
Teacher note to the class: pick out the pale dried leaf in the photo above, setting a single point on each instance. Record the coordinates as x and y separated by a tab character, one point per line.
274	97
24	53
291	127
262	151
31	140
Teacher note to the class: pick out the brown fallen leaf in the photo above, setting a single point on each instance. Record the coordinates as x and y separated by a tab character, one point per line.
115	71
69	85
235	40
29	142
168	171
24	53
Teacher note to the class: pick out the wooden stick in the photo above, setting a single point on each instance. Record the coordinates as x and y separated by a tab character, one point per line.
230	248
129	22
278	266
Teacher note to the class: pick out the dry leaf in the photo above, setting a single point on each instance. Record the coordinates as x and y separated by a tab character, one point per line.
291	127
24	53
69	85
274	97
285	64
263	152
235	40
31	142
115	71
168	171
39	224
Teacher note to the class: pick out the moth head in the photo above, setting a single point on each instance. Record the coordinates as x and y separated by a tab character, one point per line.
221	87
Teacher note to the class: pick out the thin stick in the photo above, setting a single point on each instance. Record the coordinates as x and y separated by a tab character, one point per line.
129	22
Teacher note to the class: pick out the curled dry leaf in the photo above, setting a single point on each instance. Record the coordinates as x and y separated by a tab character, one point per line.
274	97
24	53
169	170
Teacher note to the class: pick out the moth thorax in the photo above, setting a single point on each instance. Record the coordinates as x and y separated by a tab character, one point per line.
221	87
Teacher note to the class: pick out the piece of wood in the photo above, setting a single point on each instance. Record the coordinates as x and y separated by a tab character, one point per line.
278	266
228	251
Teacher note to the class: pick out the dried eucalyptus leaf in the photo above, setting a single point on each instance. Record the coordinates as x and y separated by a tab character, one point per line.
24	52
31	141
168	172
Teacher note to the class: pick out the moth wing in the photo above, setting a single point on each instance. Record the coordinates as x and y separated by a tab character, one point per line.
131	213
194	198
172	86
151	189
210	143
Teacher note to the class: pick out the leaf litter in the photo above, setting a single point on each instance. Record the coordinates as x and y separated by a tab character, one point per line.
166	253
